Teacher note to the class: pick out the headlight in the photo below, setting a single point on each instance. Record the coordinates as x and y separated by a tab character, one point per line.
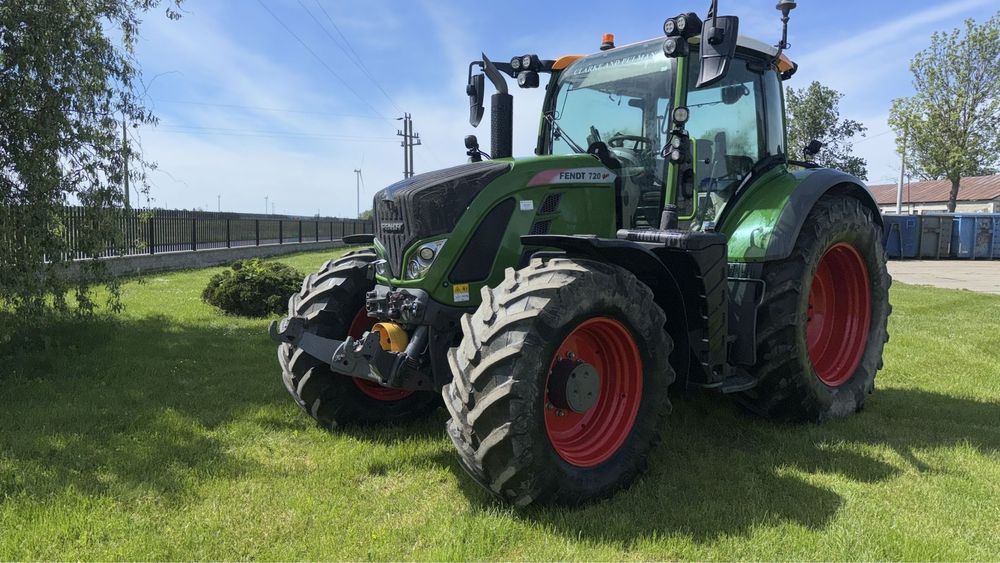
381	268
422	259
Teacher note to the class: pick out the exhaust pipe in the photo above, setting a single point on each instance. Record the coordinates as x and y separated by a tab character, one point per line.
501	125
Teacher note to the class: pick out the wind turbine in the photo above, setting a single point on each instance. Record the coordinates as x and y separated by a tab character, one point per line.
358	180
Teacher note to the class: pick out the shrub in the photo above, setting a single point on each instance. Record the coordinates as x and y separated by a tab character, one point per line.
253	288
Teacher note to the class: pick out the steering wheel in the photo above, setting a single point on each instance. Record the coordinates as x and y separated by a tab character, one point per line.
618	142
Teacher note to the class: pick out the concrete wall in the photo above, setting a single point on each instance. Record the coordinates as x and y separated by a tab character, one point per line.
149	263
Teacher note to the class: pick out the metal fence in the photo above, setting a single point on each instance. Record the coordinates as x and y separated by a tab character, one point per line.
159	230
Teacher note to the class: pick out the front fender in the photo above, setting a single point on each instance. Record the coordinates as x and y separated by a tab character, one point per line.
645	265
765	223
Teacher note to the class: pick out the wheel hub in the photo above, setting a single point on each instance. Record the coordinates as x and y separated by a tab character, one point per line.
607	389
574	385
839	314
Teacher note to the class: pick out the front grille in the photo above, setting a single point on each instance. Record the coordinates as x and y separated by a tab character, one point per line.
389	213
427	205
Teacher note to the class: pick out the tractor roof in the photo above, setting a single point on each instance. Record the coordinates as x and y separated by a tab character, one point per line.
744	42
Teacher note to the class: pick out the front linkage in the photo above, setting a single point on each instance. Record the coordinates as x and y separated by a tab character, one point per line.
388	355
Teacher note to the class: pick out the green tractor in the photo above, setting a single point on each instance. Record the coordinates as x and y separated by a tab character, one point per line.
661	238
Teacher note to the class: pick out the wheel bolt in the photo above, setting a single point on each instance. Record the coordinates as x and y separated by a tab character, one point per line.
560	412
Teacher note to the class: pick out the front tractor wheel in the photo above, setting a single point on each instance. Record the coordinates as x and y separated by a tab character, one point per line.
560	383
822	325
333	303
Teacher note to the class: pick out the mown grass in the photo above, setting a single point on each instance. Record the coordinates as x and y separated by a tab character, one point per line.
166	434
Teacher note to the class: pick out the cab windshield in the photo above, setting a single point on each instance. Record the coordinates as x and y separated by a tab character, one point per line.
620	98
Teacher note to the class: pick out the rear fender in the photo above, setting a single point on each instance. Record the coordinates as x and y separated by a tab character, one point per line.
638	259
764	224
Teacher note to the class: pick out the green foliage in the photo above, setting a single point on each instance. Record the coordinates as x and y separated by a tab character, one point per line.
950	128
366	215
69	84
814	113
253	288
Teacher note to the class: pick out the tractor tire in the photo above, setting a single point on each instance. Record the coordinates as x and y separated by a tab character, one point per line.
822	325
333	303
546	323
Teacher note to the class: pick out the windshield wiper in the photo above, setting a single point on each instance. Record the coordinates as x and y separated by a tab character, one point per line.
556	130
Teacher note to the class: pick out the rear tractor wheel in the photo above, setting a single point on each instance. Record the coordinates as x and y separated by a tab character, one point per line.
822	325
333	303
560	383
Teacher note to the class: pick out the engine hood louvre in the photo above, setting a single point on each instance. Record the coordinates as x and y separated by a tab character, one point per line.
427	205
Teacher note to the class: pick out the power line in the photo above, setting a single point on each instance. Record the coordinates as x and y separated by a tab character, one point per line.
873	137
259	108
256	133
357	58
320	60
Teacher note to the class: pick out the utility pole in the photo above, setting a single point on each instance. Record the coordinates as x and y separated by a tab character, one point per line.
410	140
218	200
357	188
902	173
265	205
125	186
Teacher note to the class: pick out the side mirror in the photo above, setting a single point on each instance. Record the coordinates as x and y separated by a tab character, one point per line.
476	91
718	46
813	148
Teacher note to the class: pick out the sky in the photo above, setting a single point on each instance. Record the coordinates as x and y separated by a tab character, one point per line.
272	104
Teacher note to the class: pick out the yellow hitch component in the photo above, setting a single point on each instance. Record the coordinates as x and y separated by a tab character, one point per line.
391	337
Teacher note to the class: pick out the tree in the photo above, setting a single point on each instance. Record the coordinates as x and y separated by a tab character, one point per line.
70	89
950	128
366	215
814	113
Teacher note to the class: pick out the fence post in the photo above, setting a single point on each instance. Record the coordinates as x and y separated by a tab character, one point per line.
317	231
331	231
300	231
194	234
229	240
281	231
256	231
152	240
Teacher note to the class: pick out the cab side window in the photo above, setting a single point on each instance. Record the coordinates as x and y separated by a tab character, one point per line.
727	135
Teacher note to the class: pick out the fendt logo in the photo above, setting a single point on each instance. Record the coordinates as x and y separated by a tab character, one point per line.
392	226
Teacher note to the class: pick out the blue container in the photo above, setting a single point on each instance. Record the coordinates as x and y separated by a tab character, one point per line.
935	235
996	237
984	237
972	236
901	235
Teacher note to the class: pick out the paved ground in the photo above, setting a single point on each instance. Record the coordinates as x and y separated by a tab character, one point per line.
981	276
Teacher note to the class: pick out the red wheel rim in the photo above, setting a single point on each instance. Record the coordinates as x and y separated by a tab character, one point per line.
361	324
588	439
839	314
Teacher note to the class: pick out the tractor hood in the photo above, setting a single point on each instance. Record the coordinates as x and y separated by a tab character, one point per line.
427	205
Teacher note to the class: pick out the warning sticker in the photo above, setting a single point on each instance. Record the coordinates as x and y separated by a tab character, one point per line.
460	292
527	205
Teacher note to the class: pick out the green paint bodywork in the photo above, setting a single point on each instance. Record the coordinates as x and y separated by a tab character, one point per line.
750	223
583	209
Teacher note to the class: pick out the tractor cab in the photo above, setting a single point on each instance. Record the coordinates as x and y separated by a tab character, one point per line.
617	103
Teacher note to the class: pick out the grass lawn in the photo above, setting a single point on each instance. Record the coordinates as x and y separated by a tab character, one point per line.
166	434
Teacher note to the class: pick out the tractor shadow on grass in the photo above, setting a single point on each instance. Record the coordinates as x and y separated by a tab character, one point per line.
128	407
721	472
